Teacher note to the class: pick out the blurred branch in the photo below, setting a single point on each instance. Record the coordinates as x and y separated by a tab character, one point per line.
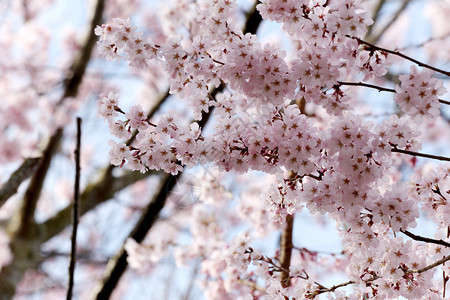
26	12
24	240
191	284
93	195
78	67
23	223
10	187
374	39
73	250
118	264
375	15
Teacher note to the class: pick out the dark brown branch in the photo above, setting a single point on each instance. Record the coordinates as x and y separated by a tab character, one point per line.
192	281
254	19
379	88
73	250
118	264
10	187
431	156
439	262
286	250
425	239
376	48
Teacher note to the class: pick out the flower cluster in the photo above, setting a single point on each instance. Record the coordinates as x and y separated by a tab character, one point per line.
417	95
341	164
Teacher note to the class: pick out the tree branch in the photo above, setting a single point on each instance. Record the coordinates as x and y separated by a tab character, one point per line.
254	19
323	289
73	250
379	88
93	195
425	239
375	48
10	187
286	251
118	264
431	156
79	65
439	262
24	240
23	223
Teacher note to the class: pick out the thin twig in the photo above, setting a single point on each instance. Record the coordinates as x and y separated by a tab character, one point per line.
425	239
431	156
374	48
439	262
322	289
73	251
379	88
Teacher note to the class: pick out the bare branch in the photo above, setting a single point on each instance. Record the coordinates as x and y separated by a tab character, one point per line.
10	187
439	262
394	18
94	194
425	239
23	223
379	88
118	264
374	48
73	250
25	239
431	156
78	67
